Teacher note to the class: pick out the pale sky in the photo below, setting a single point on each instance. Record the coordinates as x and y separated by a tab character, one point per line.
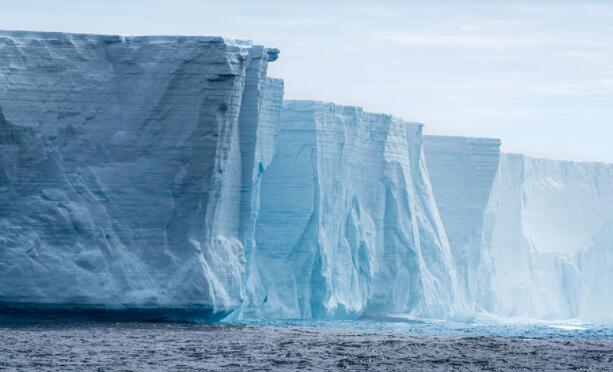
536	73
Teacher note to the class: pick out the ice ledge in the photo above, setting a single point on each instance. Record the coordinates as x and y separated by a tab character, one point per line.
455	139
272	53
325	106
536	159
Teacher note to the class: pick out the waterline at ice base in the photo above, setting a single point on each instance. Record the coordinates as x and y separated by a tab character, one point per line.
165	178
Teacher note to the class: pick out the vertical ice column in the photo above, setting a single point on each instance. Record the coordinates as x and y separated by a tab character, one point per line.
258	126
269	113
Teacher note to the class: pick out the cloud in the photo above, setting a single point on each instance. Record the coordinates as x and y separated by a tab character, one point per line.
465	40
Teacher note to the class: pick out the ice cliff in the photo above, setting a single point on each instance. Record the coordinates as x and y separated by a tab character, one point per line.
531	238
126	166
547	240
166	177
347	223
462	172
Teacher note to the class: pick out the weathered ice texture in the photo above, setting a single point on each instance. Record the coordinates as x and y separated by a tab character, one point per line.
348	225
264	119
548	243
164	177
462	172
268	129
126	169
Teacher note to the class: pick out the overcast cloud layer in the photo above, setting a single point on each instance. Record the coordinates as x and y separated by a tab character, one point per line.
538	74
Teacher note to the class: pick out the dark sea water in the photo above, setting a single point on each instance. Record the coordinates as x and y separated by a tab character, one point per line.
286	346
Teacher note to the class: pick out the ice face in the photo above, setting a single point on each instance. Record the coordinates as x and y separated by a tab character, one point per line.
166	173
462	172
530	237
595	263
347	223
546	223
126	168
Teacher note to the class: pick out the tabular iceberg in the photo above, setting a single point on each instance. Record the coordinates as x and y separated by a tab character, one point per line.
125	169
166	177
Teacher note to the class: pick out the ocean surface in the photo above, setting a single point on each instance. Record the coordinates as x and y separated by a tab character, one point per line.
304	345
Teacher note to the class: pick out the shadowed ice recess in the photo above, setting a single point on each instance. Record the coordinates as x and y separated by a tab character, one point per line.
165	178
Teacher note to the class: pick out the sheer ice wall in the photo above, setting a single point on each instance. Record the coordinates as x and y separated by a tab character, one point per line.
166	172
548	243
462	172
348	224
125	168
531	237
595	264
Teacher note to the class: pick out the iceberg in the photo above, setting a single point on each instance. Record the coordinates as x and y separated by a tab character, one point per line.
165	178
125	170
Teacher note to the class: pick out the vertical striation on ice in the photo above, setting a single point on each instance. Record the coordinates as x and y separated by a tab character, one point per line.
167	172
347	223
462	171
125	168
